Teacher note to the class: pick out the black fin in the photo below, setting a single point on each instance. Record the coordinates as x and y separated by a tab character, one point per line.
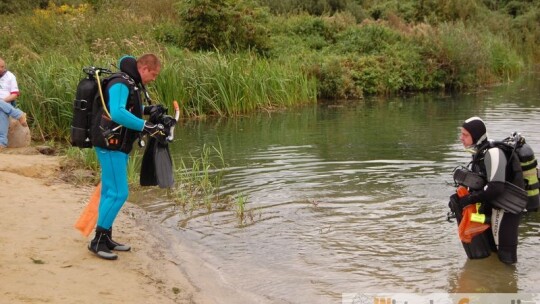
163	165
148	168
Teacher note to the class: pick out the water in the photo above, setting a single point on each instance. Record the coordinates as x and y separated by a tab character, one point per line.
352	198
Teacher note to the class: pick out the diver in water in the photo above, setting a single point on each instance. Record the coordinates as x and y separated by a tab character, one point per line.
115	127
497	203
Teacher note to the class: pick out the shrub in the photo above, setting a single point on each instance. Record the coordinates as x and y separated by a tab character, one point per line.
368	39
17	6
436	11
169	32
224	25
314	7
460	53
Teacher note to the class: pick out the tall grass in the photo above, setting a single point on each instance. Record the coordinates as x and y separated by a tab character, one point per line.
207	83
470	56
232	84
48	88
504	62
199	179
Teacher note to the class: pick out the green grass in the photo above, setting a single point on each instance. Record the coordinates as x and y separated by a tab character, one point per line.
234	84
198	181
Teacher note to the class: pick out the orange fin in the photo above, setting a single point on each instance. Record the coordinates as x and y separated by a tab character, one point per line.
88	219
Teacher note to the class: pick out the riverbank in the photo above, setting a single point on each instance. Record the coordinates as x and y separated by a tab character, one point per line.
44	259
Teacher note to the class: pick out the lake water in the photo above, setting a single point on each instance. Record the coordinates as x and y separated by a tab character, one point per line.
351	198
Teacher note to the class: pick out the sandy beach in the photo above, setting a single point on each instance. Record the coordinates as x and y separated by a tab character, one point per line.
44	259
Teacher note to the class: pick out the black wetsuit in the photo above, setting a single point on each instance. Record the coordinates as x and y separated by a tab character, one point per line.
493	163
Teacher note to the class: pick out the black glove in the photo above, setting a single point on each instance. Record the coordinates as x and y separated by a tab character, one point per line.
153	108
155	112
466	201
155	130
453	204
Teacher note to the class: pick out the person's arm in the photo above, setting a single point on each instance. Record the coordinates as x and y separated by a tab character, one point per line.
11	97
118	96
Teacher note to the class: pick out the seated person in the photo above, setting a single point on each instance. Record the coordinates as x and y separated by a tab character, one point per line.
9	91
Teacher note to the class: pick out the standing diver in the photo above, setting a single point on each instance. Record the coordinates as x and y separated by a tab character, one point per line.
114	130
499	169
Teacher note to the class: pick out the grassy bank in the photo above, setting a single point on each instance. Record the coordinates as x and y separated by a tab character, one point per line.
233	57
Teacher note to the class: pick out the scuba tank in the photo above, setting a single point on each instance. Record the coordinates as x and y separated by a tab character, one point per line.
513	146
530	175
82	111
85	97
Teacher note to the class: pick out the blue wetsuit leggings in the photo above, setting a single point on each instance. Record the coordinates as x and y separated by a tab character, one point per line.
114	185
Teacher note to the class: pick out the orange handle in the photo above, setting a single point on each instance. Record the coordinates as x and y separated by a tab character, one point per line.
462	191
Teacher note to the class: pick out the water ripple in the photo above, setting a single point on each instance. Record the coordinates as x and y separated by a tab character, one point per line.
359	203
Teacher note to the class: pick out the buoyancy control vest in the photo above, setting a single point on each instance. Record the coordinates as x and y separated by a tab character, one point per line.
521	168
514	173
106	133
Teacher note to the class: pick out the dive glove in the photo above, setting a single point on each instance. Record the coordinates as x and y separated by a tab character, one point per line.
155	130
453	204
155	112
466	201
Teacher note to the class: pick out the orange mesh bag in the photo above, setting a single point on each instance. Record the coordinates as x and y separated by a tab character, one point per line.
468	229
88	219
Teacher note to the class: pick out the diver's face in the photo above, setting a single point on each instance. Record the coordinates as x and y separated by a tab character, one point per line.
466	138
148	75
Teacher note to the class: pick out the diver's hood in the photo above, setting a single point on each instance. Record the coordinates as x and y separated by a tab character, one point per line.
128	65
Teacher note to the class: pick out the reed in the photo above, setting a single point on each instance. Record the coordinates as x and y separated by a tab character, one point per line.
48	89
242	214
204	84
232	84
198	181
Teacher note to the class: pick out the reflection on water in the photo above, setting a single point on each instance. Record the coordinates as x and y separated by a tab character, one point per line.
352	197
485	275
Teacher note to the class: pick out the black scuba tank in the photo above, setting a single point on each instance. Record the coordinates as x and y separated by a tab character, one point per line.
82	112
530	175
86	97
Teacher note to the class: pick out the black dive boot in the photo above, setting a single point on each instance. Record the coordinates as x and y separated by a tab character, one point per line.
99	245
112	245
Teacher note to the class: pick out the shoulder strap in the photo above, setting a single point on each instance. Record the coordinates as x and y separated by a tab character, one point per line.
132	82
509	151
